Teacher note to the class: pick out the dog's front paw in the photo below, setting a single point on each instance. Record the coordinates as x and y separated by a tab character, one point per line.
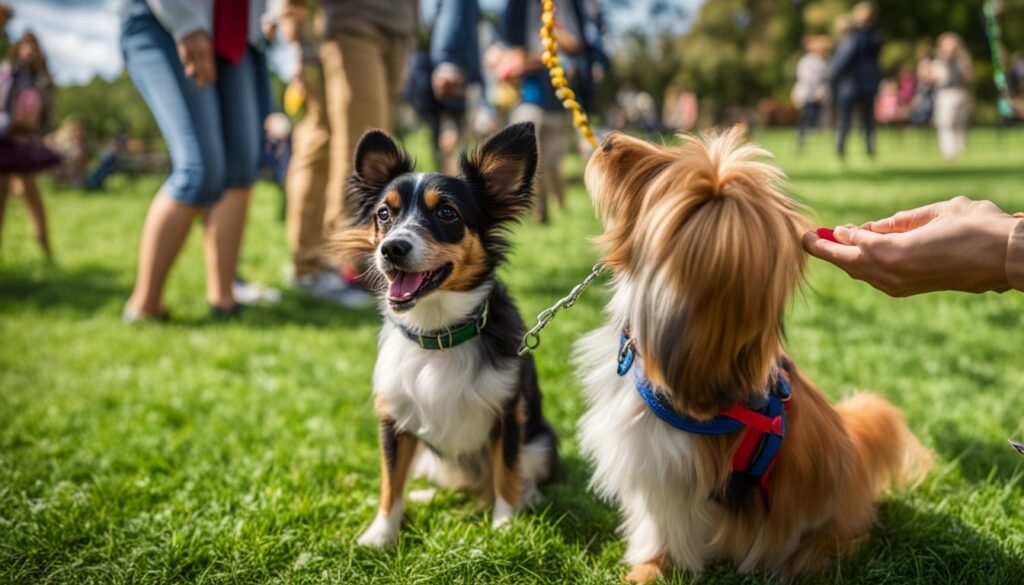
383	533
503	512
645	572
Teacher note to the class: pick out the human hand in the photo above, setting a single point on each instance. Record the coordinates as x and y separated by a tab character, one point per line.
448	81
196	53
958	244
567	41
292	25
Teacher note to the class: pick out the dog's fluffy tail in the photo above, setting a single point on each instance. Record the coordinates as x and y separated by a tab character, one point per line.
888	451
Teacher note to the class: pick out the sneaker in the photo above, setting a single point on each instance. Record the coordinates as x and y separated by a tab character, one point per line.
250	293
326	285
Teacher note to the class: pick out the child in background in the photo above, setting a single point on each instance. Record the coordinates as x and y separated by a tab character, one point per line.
810	93
25	88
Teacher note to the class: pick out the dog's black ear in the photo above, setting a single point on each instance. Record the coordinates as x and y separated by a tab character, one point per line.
378	161
503	169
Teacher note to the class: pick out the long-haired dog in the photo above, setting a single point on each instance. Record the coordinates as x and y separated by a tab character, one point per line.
455	402
706	253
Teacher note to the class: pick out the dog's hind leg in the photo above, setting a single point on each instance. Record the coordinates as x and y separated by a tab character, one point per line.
397	450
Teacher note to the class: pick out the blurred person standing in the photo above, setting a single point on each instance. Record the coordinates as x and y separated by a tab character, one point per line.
5	42
201	68
810	93
353	82
679	112
25	95
538	102
455	65
855	74
922	104
953	73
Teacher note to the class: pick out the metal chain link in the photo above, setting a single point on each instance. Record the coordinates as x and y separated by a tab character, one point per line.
531	340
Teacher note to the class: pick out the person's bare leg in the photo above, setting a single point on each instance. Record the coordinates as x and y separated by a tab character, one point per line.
4	186
163	233
34	202
222	242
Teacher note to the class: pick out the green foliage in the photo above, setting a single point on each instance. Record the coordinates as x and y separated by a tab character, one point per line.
107	108
739	51
246	452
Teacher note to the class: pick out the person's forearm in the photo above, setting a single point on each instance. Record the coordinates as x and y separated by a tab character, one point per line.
182	18
1015	258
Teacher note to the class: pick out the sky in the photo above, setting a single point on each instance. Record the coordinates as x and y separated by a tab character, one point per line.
80	36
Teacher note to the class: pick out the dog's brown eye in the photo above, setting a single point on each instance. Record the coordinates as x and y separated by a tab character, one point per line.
447	213
383	214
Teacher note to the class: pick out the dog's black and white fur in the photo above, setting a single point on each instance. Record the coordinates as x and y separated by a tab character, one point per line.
467	416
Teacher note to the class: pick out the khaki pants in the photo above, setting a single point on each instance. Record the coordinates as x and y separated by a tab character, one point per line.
362	80
554	138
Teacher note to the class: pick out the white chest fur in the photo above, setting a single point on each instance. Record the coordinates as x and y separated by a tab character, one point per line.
639	461
448	398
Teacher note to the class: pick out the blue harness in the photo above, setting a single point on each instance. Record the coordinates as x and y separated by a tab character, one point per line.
764	419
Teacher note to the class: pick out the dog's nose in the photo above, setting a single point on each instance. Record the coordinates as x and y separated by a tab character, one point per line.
395	249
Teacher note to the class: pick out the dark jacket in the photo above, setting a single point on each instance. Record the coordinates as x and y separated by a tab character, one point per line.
454	37
854	69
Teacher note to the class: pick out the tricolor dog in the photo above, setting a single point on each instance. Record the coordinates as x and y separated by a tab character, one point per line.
455	402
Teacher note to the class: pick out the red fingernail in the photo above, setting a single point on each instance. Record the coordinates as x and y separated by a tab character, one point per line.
827	234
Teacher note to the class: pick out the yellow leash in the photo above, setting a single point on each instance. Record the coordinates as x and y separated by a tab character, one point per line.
557	72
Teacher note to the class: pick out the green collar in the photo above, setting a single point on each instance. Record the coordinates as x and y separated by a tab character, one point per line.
449	337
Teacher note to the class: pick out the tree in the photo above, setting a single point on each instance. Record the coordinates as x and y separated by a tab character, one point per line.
107	108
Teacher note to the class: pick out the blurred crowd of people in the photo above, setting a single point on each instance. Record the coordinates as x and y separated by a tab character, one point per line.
202	70
364	64
848	80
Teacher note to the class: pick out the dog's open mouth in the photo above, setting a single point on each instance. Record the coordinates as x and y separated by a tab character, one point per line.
406	287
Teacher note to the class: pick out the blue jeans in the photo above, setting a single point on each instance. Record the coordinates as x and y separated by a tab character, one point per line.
865	104
213	133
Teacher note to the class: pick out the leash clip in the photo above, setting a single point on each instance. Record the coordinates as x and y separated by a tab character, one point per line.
531	340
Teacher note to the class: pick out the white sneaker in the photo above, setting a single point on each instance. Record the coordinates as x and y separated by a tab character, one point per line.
328	286
250	293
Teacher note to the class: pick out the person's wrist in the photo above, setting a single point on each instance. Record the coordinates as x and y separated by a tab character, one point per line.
1015	255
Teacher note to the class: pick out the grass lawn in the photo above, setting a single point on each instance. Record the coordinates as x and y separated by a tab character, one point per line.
244	452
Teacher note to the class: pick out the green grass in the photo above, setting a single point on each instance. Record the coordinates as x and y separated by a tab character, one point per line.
243	452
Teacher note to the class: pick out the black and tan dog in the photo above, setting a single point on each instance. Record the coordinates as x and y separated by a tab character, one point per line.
456	404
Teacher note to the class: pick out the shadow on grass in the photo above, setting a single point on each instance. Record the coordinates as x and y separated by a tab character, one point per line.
908	546
83	288
911	545
978	459
296	309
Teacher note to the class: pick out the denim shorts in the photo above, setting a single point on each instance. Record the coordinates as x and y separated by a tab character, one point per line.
213	133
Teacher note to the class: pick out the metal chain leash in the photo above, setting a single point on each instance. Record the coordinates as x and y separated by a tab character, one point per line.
531	340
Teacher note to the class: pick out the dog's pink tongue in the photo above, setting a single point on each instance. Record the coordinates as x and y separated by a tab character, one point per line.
405	284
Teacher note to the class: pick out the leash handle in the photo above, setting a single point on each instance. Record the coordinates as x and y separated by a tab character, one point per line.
557	73
531	340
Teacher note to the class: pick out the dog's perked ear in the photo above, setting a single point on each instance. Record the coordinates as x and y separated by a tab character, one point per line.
503	169
378	161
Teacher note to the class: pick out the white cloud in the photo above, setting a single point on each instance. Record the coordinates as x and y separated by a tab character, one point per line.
80	38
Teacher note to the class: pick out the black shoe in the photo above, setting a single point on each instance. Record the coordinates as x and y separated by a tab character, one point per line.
228	314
